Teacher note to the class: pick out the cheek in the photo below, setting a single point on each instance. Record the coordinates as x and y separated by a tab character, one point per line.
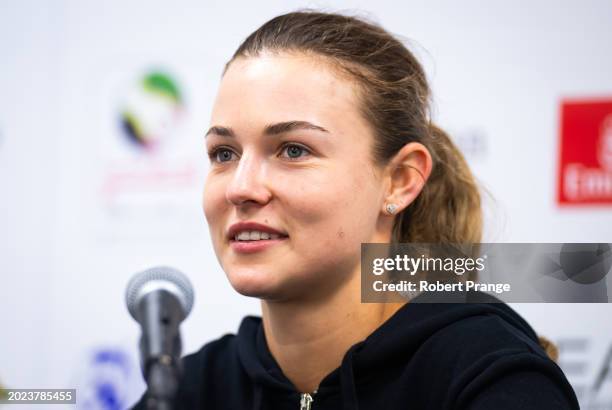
353	210
334	210
310	199
212	199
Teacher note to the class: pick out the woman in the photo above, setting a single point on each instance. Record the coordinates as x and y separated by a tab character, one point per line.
320	140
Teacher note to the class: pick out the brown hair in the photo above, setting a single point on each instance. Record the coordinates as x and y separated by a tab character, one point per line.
395	101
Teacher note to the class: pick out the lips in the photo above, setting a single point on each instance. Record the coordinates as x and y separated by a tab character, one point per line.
252	226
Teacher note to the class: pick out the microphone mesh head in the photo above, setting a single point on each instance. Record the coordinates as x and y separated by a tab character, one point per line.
174	277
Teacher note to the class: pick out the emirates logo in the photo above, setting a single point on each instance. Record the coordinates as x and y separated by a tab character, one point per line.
604	148
585	166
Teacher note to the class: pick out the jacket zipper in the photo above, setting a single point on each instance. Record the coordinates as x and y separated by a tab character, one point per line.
306	400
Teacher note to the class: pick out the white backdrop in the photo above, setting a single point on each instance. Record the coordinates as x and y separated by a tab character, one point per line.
69	244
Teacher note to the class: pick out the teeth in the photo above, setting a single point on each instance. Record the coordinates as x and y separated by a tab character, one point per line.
255	236
243	236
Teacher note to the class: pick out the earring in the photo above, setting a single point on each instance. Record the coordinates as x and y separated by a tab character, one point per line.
391	208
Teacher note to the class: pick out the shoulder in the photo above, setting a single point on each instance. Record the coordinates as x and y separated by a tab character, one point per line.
487	359
471	337
479	342
212	358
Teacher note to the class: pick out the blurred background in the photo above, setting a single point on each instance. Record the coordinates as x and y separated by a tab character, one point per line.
103	107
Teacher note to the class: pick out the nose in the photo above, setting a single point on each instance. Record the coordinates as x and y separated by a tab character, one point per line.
248	184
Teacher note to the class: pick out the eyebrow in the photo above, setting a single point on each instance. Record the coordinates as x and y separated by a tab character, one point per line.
272	129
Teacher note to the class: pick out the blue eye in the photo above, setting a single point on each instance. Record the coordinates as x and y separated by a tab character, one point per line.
224	154
220	155
294	150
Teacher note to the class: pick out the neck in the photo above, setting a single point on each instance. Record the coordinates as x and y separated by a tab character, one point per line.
308	339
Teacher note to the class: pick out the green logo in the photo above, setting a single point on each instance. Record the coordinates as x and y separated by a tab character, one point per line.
151	110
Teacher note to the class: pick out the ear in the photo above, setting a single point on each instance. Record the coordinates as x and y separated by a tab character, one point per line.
407	173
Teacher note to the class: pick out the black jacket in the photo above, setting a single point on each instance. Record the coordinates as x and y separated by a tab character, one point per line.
426	356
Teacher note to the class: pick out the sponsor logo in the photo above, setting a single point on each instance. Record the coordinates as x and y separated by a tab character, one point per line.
585	164
151	111
472	142
589	372
108	380
149	168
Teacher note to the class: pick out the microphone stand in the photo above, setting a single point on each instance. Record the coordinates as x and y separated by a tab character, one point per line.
160	356
162	383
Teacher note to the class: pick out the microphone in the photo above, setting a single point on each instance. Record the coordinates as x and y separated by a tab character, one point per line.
160	299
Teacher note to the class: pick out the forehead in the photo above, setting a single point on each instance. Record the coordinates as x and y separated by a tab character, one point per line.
286	87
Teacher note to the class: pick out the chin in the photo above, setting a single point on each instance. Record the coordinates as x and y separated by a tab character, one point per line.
251	282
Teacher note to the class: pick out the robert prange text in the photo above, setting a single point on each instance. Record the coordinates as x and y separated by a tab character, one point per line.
437	286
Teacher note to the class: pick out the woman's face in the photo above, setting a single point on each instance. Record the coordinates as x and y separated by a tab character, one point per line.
289	150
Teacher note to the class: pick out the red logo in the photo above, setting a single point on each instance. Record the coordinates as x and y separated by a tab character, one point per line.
585	163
